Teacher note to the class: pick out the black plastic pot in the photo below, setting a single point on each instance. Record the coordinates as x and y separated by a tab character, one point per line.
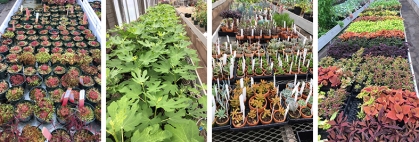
18	100
29	117
297	10
188	15
30	86
51	88
3	95
305	136
59	75
62	121
195	22
90	101
93	109
23	84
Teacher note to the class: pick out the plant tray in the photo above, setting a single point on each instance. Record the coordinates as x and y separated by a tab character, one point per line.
351	109
300	120
305	136
216	128
230	34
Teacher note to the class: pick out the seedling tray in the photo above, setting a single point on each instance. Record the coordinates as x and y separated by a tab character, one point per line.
305	136
216	128
230	34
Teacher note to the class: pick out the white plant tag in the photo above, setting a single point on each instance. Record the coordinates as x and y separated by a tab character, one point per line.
228	39
251	81
231	70
81	99
295	79
253	64
274	80
241	83
224	59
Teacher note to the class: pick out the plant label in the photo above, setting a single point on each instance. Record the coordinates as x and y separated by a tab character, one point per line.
231	70
21	8
269	32
302	87
218	83
304	55
244	94
286	110
241	32
308	97
291	68
286	55
308	63
36	17
213	62
243	64
288	38
274	80
295	79
81	99
284	24
218	49
251	81
234	55
242	107
304	41
231	51
64	98
241	83
260	32
224	59
253	64
227	92
228	40
272	65
46	133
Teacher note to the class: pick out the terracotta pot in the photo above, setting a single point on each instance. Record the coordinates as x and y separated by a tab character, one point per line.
266	36
260	110
275	36
304	96
248	55
239	37
299	114
254	124
239	126
223	28
309	105
278	121
229	30
239	55
222	123
264	122
250	37
303	115
216	56
258	37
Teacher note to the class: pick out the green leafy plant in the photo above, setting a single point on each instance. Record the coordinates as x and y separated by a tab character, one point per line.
147	59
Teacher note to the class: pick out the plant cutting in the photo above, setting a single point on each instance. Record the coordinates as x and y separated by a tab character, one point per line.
44	110
14	68
34	80
32	133
60	135
7	112
93	95
24	110
17	80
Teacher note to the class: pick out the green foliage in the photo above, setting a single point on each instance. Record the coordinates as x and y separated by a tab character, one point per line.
280	18
367	26
148	59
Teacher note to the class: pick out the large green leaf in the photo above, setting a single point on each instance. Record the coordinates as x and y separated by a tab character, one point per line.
151	134
188	132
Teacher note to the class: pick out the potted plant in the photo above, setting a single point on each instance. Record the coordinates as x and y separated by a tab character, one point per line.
94	44
237	120
93	95
52	82
251	118
221	117
32	133
44	70
258	102
28	49
71	78
3	67
265	117
24	110
59	70
97	79
4	87
33	81
57	49
63	113
17	80
294	113
85	113
37	94
44	110
87	82
88	69
56	58
12	58
4	49
15	49
60	135
83	136
56	95
27	59
43	57
306	112
8	136
279	115
7	113
14	69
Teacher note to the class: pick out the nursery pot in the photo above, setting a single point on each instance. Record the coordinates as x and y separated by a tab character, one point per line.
51	88
303	115
297	10
280	119
54	132
30	86
93	109
18	100
294	114
222	123
3	74
260	110
29	117
239	125
23	84
3	95
256	121
62	121
264	122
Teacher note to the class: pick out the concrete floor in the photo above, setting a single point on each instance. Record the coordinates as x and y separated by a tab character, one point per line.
5	9
412	33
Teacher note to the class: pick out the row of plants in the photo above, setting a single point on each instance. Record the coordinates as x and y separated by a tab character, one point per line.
43	58
378	104
249	102
303	8
96	6
149	94
199	15
279	58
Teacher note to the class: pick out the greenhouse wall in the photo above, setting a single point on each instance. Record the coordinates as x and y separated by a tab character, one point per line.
125	11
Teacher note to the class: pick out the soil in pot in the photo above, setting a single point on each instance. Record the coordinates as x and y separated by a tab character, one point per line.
306	112
278	117
222	121
294	114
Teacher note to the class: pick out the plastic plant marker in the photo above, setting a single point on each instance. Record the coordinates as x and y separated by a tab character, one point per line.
244	64
274	80
227	94
291	68
302	88
284	24
260	32
286	55
241	83
286	110
213	62
241	32
234	54
218	82
228	40
304	55
81	99
36	19
224	59
295	80
253	29
218	49
66	97
269	32
242	108
253	64
272	65
21	8
251	81
46	133
231	71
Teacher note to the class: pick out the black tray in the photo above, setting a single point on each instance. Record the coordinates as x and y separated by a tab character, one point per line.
230	34
220	128
352	109
300	120
305	136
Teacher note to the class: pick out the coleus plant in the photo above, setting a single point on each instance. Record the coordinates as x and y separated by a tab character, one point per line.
330	76
135	65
